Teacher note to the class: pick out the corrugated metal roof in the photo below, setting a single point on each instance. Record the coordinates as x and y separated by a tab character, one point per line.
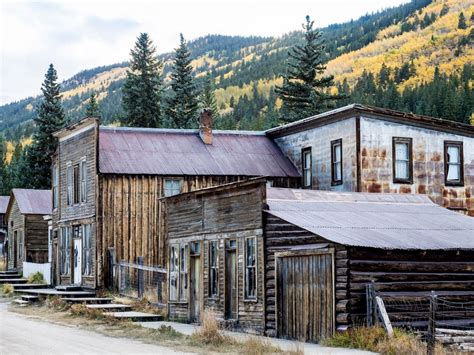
33	201
386	221
182	152
4	204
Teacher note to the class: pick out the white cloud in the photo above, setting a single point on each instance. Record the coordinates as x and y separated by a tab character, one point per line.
83	34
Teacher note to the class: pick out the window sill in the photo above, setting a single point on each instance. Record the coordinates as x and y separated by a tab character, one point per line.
454	184
336	183
251	300
401	181
178	302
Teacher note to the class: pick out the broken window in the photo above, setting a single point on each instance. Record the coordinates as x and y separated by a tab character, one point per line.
250	268
213	269
453	163
402	161
172	187
336	162
307	168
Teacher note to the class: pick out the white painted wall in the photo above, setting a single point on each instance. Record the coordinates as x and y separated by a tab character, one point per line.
31	268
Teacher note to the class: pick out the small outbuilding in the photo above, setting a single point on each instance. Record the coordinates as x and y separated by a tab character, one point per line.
295	263
27	230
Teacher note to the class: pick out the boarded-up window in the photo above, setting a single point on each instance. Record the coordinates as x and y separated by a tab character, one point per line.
69	184
172	187
65	250
83	176
250	268
336	162
87	250
55	186
307	168
453	163
402	161
174	273
76	184
183	272
213	269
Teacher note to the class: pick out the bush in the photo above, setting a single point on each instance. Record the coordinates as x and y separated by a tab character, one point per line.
210	332
7	289
36	278
57	303
256	346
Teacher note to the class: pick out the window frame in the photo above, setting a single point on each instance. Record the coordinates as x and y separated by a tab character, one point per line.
247	296
179	181
69	184
21	245
213	267
409	142
83	180
334	181
66	241
76	184
183	272
174	272
458	144
55	186
304	168
87	262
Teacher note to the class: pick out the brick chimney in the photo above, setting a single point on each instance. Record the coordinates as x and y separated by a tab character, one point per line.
205	126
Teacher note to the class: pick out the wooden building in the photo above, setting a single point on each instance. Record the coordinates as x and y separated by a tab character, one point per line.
3	220
27	230
108	183
295	263
368	149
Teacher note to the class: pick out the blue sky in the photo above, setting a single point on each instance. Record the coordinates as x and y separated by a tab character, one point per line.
77	35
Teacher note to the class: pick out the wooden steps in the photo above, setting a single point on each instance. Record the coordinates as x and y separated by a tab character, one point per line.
20	302
29	298
13	281
27	286
68	288
9	272
88	300
52	292
111	307
135	316
10	276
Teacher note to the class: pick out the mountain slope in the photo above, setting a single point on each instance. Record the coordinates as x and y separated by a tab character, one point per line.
245	69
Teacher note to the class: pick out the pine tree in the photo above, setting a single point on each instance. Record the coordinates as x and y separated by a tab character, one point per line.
462	21
142	90
208	98
4	183
305	91
50	118
444	10
92	109
183	102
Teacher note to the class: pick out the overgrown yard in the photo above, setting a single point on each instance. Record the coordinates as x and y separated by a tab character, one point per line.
210	338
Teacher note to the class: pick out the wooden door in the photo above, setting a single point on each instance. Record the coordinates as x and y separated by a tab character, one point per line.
77	250
195	291
305	296
231	284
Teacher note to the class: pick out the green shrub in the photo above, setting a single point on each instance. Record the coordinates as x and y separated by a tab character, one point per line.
36	278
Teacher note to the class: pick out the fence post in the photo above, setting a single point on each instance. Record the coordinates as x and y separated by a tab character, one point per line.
368	297
432	324
141	274
375	318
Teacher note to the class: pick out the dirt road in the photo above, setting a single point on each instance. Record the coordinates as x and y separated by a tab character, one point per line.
20	334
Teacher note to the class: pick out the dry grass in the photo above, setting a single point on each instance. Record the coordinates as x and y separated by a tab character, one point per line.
210	333
3	265
56	303
257	346
7	290
376	339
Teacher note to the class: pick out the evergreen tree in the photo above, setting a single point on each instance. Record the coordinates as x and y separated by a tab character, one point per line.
305	91
4	183
183	102
142	90
444	10
50	118
92	109
462	21
208	98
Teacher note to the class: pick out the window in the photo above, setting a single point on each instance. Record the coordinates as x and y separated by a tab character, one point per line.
307	168
87	250
336	162
453	164
402	160
213	269
174	274
183	272
250	268
65	250
83	176
21	244
195	249
76	184
55	186
69	182
172	187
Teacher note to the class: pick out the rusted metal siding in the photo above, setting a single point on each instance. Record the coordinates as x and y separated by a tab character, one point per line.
428	163
319	139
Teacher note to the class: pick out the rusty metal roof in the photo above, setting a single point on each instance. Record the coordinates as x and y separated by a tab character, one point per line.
386	221
182	152
33	201
4	204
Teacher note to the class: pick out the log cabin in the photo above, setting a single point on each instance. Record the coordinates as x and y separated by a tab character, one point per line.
107	185
368	149
295	263
27	230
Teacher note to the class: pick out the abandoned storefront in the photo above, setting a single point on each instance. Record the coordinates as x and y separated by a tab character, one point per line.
295	263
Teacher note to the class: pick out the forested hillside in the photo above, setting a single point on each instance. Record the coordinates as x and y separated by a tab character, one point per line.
416	57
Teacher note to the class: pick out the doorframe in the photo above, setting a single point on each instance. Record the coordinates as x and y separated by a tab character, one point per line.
236	250
199	256
307	252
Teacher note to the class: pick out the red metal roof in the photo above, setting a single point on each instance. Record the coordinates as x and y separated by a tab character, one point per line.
4	204
33	201
182	152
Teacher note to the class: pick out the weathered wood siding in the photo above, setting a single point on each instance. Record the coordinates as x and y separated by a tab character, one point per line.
16	223
36	239
220	216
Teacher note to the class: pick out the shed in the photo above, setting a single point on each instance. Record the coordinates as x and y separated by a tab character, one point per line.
27	230
304	257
